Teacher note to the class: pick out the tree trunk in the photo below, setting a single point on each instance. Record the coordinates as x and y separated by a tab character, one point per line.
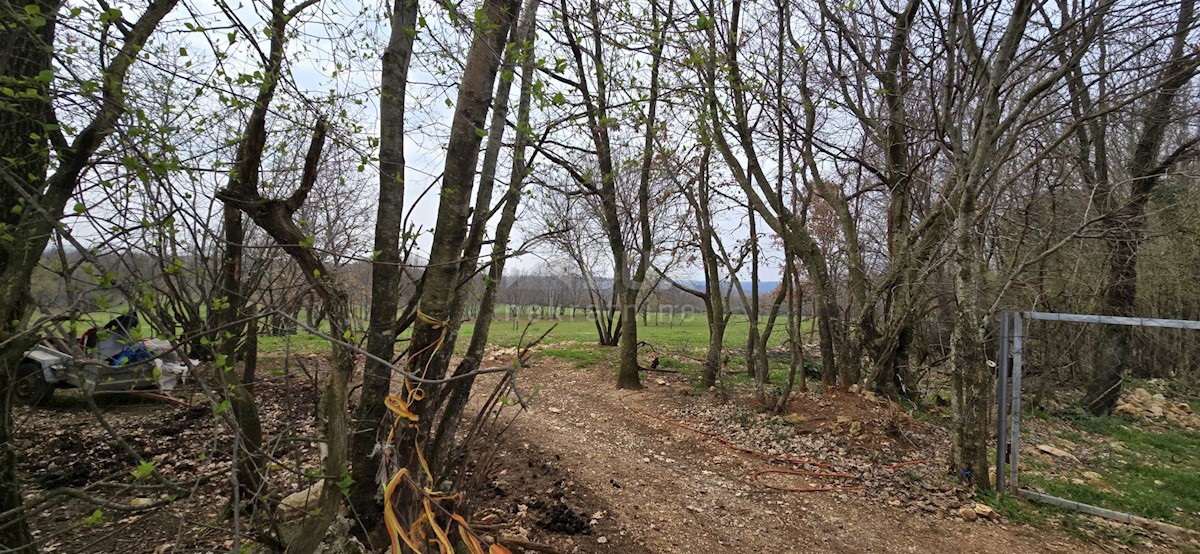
714	305
1125	228
970	376
275	217
628	376
973	161
433	332
25	53
386	271
241	401
716	345
781	294
793	328
829	374
752	353
791	227
520	47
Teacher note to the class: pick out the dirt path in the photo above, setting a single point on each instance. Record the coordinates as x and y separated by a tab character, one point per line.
667	489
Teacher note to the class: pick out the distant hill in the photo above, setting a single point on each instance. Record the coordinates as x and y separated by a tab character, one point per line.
764	287
542	282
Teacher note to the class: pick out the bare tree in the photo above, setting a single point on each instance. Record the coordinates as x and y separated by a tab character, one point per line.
26	52
1125	222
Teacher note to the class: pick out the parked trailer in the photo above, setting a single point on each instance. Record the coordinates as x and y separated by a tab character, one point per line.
44	369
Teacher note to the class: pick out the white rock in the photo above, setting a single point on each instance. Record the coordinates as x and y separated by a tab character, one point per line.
984	511
300	503
1056	452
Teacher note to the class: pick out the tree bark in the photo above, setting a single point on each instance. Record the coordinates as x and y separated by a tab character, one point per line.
249	432
972	163
520	47
432	341
386	270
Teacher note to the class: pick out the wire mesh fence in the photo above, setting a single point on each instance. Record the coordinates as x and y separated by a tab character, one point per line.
1071	435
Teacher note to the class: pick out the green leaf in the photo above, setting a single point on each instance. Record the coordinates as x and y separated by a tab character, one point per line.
481	132
559	99
220	408
80	208
96	518
345	482
110	16
144	469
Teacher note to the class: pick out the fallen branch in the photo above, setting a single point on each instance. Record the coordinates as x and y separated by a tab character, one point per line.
527	545
902	464
657	370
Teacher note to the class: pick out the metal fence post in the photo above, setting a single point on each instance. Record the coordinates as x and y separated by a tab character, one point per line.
1002	401
1018	354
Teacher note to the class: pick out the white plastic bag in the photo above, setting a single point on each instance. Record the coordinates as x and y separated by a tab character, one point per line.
170	374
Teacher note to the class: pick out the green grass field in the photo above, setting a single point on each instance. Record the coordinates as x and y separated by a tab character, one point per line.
1151	472
687	334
